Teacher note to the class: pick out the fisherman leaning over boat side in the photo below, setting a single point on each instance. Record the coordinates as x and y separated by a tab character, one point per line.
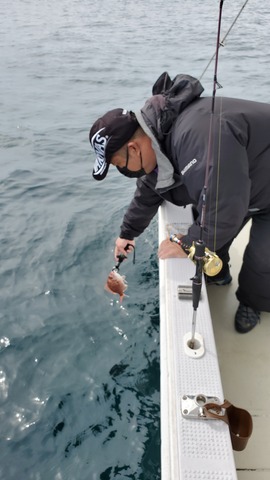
165	146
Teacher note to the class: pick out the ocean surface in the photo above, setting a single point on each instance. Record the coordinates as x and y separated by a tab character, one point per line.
79	372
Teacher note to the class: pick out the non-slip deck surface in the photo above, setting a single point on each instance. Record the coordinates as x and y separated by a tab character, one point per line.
192	449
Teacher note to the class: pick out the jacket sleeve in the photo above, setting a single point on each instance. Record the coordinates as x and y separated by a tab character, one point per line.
227	195
142	208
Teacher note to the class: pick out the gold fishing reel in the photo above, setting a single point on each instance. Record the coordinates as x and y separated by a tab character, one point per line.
212	264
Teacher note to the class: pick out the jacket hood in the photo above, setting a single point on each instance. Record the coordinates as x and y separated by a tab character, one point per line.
170	98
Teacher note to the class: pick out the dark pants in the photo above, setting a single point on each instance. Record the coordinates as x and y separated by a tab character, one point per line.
254	276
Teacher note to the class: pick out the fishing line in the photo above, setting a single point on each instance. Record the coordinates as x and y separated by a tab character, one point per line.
218	179
224	38
211	133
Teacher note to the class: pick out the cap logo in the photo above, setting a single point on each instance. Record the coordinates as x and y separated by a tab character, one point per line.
99	143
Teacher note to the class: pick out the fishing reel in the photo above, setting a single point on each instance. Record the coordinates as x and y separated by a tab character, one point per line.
212	264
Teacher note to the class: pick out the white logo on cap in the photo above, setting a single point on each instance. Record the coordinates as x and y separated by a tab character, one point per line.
99	144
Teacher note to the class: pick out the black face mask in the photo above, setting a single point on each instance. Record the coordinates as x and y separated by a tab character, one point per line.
129	173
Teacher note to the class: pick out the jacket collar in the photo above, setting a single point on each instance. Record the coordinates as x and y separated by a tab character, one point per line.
166	175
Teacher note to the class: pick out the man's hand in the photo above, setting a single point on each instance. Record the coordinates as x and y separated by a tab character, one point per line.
168	249
120	245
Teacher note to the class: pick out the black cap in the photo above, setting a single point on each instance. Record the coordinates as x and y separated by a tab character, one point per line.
108	134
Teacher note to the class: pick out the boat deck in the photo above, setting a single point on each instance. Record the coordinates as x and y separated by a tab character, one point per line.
240	362
244	362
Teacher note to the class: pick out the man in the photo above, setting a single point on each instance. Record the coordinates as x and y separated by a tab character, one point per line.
169	146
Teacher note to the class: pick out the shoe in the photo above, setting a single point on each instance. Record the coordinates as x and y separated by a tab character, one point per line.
246	318
226	280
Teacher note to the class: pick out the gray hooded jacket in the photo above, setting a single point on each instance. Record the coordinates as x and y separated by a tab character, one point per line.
177	119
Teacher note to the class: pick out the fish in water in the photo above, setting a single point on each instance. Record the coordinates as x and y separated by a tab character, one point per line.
116	284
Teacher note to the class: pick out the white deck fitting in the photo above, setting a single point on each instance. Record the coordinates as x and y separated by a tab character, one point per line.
191	449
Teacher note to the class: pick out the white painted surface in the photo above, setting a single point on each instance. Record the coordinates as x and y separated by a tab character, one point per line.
190	449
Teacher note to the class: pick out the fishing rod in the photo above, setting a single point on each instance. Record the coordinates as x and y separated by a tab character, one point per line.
205	260
224	38
200	244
